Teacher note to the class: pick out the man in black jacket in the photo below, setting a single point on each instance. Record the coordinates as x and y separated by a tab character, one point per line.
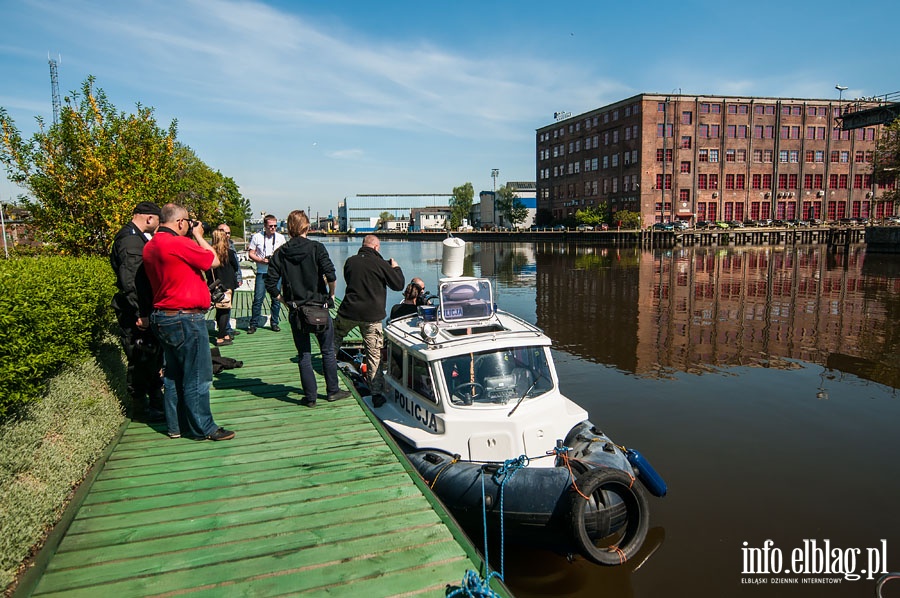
307	278
368	276
133	304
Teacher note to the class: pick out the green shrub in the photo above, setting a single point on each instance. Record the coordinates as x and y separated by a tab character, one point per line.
52	310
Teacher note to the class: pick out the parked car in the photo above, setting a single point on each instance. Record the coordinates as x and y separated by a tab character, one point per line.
815	222
703	224
749	223
681	225
848	221
559	227
735	224
722	225
663	226
584	227
604	226
765	222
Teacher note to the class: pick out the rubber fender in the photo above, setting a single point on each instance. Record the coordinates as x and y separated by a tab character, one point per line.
646	474
591	519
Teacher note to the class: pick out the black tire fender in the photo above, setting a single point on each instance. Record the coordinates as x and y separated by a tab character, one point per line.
610	525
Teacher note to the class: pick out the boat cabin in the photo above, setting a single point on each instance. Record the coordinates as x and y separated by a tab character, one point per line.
464	377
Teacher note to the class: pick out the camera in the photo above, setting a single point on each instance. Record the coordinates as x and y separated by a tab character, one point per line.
424	298
207	228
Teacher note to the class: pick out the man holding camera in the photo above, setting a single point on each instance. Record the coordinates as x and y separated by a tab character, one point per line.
368	276
175	266
261	247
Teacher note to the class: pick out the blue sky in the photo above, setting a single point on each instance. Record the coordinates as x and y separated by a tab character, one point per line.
305	103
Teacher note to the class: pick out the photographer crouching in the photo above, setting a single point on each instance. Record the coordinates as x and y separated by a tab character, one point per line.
414	295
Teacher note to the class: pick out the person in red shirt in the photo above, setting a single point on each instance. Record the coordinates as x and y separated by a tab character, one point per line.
175	260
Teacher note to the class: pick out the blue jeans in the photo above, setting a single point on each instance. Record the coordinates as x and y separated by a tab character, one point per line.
259	293
304	351
187	372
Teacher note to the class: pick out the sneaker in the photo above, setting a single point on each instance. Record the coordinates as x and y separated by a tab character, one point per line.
307	403
221	434
251	330
224	343
173	435
337	396
275	328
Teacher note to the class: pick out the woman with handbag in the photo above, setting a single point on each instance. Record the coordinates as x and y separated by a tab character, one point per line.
226	274
307	279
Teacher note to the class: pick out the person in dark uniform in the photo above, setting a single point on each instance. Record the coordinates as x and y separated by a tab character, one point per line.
133	304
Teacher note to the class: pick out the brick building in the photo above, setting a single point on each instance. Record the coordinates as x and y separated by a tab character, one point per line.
709	158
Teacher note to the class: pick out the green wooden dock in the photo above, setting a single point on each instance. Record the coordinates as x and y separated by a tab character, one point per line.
301	502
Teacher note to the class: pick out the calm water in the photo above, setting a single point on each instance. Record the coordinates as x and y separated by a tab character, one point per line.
760	382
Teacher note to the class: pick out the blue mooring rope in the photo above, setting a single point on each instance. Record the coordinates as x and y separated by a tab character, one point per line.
472	585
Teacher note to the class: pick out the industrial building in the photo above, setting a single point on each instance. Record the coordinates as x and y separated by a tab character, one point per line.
713	158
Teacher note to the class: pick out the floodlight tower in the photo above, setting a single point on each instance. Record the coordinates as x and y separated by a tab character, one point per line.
54	88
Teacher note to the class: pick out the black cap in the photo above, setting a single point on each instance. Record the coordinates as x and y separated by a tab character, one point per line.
147	207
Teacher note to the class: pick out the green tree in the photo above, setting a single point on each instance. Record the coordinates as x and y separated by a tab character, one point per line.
461	204
235	207
626	219
510	206
86	173
887	166
383	220
594	215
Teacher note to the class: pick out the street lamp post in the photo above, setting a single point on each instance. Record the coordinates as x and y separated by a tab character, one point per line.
841	89
495	172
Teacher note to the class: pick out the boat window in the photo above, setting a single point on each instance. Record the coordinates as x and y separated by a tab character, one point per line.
498	376
395	366
421	378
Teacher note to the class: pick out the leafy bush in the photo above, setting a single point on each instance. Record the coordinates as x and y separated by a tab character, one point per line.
52	310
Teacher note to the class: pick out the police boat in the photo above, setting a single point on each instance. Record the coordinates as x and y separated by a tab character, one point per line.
474	401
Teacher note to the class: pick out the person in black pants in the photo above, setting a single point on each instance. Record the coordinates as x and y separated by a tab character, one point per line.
226	274
307	276
133	304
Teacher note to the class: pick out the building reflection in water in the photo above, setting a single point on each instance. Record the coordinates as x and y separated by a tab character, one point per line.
653	313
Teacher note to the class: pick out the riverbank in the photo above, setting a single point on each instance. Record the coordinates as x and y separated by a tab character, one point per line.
827	235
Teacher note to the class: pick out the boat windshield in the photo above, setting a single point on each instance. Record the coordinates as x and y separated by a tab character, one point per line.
497	376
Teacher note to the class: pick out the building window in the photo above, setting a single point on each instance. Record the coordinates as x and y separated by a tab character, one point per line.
686	117
684	195
685	167
685	142
729	155
818	179
859	157
783	156
741	155
809	155
857	181
739	181
768	156
767	181
703	156
843	181
807	181
757	131
701	181
704	108
713	181
845	157
713	155
782	181
731	131
756	181
819	156
837	133
795	156
792	181
729	182
770	132
758	156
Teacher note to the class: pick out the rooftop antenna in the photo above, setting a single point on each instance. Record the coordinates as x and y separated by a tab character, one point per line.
54	86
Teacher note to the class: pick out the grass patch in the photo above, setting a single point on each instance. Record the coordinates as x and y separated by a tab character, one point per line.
46	451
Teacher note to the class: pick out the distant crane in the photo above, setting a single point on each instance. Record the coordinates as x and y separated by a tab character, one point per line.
54	88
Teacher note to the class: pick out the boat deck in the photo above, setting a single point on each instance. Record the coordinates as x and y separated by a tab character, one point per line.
301	502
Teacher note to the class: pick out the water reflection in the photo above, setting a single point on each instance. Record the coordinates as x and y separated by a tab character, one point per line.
653	313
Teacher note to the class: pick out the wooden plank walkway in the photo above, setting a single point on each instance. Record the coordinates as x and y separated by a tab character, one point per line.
301	502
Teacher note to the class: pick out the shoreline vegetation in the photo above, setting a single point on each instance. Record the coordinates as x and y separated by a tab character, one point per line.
47	450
